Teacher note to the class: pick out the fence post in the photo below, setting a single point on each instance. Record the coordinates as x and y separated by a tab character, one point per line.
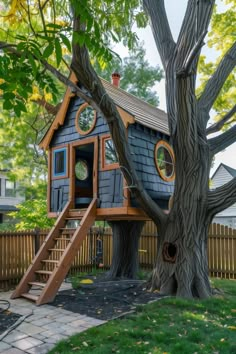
36	240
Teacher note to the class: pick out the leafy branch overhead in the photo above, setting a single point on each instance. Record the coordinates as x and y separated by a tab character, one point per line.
44	30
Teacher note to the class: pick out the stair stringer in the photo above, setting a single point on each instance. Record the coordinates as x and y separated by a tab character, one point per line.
30	276
60	271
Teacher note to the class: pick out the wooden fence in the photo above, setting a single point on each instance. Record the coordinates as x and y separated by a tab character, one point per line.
17	250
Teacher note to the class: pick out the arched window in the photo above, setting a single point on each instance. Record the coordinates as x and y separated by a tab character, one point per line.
165	161
85	119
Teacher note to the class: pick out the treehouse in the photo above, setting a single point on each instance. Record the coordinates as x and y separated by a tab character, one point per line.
83	163
85	180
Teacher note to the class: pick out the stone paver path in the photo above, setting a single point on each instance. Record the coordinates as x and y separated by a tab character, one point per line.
42	326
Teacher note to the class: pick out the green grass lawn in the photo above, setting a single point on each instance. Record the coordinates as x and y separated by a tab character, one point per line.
167	326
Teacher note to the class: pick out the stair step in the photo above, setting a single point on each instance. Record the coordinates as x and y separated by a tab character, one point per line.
37	283
30	296
73	217
77	213
57	249
49	261
48	272
77	210
68	229
62	239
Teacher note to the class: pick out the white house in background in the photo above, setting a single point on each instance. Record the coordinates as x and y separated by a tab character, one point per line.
222	175
9	196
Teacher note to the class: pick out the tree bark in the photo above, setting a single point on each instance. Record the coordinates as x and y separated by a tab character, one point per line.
125	261
182	266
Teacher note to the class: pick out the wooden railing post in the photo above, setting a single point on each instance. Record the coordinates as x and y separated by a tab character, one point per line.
36	240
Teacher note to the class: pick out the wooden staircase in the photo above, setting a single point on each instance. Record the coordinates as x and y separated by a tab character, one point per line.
53	260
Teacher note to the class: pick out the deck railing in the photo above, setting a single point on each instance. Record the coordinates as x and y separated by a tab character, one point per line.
17	249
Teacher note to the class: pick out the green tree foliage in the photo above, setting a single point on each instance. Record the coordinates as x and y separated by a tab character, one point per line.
20	154
41	33
32	214
137	76
221	37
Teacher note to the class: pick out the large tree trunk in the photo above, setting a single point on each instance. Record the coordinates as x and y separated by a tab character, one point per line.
126	236
182	267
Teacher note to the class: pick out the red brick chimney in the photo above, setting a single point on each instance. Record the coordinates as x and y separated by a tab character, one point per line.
115	79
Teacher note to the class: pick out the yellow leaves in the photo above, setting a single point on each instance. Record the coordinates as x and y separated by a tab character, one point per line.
62	23
35	95
1	82
48	96
15	9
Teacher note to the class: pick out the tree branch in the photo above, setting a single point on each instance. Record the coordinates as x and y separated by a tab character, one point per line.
87	76
222	141
156	12
166	48
193	31
216	82
47	106
221	198
218	125
186	69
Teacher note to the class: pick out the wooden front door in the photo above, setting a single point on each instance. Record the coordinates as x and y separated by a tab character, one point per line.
84	172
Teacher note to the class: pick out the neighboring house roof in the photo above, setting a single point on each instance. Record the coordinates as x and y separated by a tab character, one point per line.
131	109
7	208
230	170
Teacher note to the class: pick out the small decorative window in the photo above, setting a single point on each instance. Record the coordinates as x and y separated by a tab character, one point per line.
85	119
109	155
59	163
164	159
81	170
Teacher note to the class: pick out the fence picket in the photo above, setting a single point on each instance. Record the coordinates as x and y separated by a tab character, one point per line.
17	250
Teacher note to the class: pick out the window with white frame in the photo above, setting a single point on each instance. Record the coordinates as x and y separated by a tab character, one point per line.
10	188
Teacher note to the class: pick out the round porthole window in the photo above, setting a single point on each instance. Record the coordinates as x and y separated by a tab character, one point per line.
85	119
164	159
81	170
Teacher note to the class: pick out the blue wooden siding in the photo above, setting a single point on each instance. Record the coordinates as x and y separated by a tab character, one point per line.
110	188
68	132
59	194
110	183
142	141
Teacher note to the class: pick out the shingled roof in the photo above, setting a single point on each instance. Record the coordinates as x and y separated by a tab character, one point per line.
141	111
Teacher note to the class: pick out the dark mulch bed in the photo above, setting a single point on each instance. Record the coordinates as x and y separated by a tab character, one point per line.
7	318
105	300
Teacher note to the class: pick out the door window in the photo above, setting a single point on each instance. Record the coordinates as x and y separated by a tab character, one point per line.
81	170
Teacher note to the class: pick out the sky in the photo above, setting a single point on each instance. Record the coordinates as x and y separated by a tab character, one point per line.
175	12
